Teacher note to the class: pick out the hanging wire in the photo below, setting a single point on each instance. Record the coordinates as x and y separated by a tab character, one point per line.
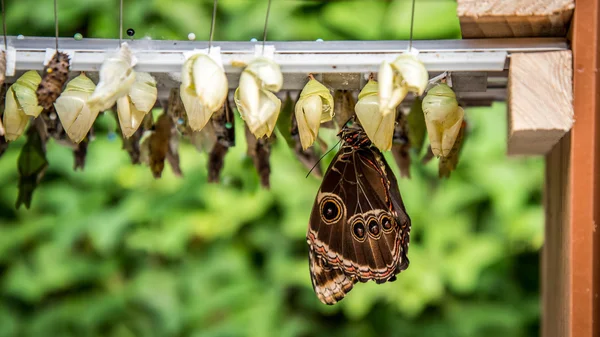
4	26
412	22
56	23
212	25
265	28
120	22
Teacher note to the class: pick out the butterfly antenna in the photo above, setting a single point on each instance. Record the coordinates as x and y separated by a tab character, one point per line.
323	156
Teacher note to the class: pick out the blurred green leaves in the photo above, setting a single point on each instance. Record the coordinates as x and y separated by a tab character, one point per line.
113	252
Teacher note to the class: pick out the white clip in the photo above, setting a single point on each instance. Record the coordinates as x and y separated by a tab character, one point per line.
11	61
51	52
267	51
413	51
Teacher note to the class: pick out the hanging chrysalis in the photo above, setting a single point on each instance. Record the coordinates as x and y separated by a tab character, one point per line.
32	164
203	89
55	75
80	151
2	67
155	146
314	107
343	107
254	97
401	145
406	74
308	157
132	107
223	126
132	144
379	127
417	129
448	164
284	121
75	114
443	118
116	78
259	149
176	111
20	104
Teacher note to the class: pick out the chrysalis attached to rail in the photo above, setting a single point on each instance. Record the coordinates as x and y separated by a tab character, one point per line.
314	107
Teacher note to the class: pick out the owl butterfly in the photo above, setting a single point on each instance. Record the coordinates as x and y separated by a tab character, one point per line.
55	75
358	228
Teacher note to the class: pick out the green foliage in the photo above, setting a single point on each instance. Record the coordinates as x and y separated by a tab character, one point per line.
113	252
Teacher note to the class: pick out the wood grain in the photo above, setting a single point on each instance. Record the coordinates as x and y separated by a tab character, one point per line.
584	238
540	101
516	18
555	252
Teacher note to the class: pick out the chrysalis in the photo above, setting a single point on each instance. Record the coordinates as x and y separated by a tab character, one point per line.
80	152
132	107
443	118
417	130
75	114
284	121
308	157
406	74
156	145
2	67
56	74
401	145
254	97
314	107
116	78
20	104
32	164
379	127
259	149
203	90
224	129
176	110
343	107
448	164
132	144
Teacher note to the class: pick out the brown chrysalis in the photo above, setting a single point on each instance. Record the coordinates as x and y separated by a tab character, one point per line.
2	67
224	128
260	151
54	77
401	145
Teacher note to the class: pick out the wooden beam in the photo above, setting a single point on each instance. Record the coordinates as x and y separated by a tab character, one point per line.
571	253
540	101
555	252
516	18
585	173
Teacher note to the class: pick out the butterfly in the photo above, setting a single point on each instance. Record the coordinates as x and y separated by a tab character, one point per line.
358	229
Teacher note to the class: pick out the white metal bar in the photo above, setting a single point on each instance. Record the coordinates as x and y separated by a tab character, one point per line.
294	57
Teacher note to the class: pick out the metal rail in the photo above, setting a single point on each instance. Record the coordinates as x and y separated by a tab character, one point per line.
480	63
161	56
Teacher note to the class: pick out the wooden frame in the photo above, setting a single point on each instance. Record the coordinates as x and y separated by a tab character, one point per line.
570	270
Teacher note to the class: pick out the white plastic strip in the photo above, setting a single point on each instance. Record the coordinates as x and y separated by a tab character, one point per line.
172	61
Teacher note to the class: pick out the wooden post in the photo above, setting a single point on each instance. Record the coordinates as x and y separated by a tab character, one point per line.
571	253
514	18
540	101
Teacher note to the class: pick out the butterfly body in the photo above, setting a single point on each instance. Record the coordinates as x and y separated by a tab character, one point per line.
359	228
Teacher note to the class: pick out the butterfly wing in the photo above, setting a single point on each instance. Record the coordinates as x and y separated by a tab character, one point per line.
358	224
330	284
